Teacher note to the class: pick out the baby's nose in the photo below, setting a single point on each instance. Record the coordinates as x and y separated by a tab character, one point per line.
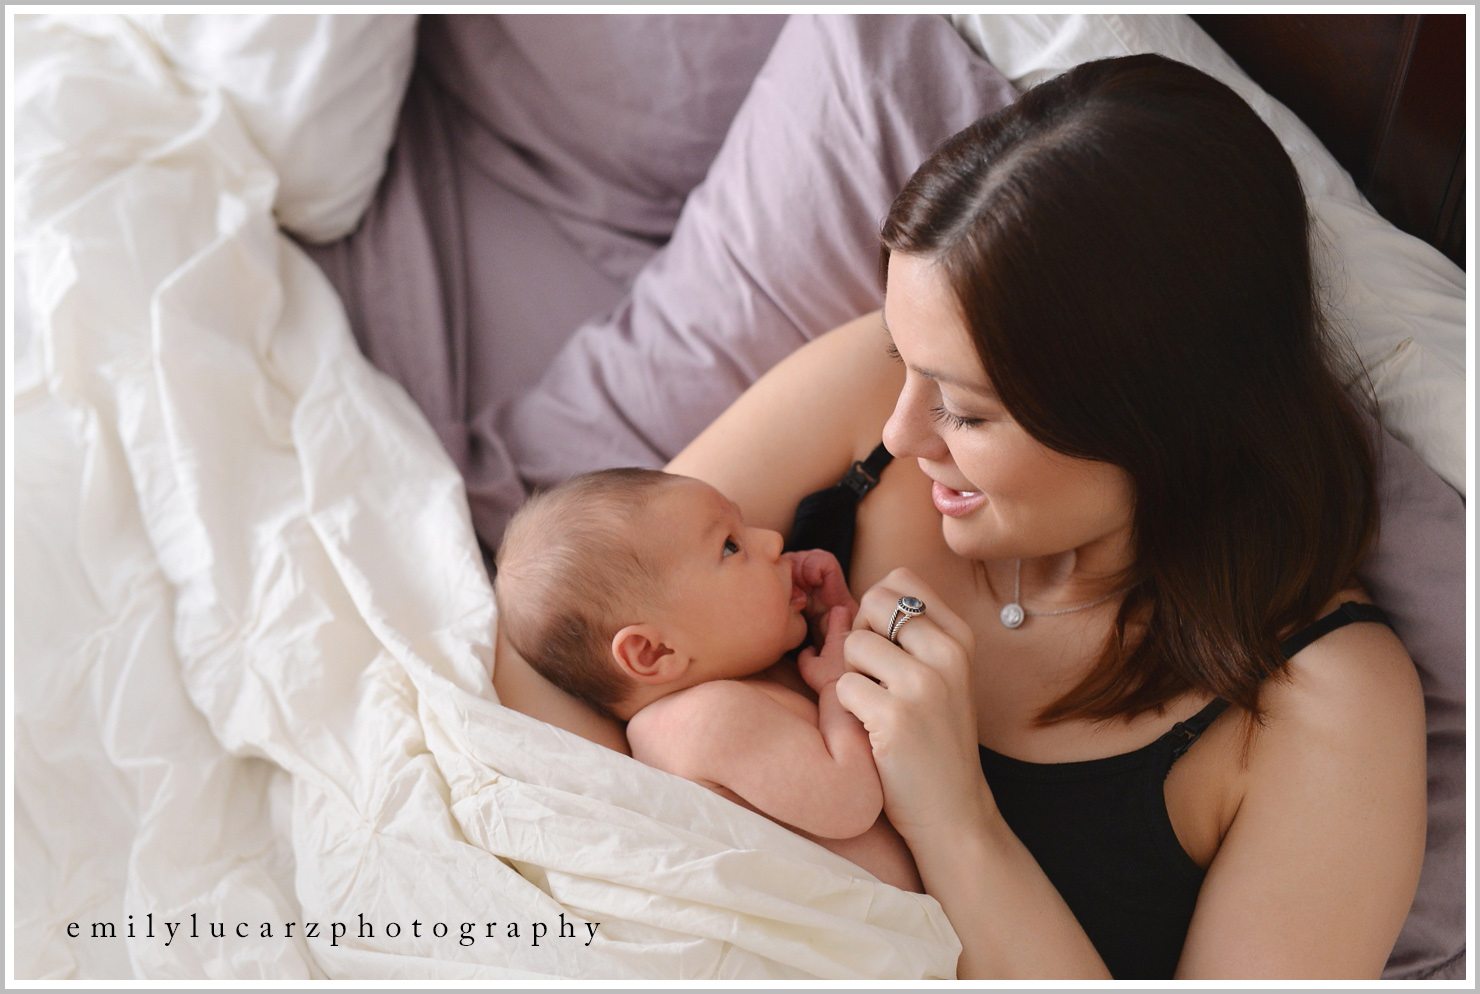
773	542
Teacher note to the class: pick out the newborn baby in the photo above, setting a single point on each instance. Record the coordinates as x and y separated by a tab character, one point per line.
646	595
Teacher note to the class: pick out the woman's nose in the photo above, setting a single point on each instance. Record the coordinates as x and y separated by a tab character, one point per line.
909	432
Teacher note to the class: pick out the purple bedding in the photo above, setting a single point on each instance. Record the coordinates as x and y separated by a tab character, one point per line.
529	182
595	231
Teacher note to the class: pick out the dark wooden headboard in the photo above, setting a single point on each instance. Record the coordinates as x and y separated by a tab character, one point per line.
1384	92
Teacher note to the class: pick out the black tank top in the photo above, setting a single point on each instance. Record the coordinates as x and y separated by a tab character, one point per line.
1123	872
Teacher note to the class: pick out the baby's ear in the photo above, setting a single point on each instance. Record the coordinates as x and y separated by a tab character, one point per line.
641	655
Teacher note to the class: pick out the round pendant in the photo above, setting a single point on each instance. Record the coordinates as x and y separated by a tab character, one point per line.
1012	615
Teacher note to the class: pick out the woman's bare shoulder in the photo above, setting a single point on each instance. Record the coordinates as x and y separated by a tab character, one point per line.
799	427
1355	686
1332	798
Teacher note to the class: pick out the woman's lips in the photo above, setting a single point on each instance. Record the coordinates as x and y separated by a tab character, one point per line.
955	503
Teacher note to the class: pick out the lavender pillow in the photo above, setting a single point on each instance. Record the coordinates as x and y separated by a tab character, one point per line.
604	121
1417	574
779	243
539	161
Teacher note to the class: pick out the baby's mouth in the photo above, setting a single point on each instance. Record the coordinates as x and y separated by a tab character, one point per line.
798	596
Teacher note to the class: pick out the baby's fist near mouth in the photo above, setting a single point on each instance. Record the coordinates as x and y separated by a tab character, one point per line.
816	571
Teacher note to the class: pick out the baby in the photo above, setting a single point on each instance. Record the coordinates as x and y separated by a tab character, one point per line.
646	595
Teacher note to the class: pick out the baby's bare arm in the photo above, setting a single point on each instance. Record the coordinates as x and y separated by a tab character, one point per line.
844	734
733	734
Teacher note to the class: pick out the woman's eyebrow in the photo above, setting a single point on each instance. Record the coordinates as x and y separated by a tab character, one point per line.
930	374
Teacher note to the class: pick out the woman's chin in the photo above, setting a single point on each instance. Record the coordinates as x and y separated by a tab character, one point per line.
961	538
966	539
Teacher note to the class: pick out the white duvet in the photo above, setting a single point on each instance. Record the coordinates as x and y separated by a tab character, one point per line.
253	633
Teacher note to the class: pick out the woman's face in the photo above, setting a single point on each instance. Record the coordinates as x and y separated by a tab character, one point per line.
1001	493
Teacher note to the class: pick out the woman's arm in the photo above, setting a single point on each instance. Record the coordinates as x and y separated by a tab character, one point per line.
520	687
799	427
1317	873
1009	916
1313	879
915	701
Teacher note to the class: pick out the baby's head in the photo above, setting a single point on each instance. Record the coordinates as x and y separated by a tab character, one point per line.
625	585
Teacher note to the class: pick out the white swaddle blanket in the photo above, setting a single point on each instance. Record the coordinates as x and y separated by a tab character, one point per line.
253	632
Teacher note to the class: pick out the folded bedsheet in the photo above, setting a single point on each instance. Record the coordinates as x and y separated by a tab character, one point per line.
253	636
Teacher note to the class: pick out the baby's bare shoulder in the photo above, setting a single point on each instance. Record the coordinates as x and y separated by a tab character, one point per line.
719	709
706	700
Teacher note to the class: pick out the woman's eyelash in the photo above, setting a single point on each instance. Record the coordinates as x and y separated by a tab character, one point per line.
943	416
939	414
731	547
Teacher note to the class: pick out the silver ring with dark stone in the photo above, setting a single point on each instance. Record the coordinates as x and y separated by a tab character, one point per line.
905	609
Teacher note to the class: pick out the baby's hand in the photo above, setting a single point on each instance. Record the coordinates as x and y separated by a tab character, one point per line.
822	669
817	572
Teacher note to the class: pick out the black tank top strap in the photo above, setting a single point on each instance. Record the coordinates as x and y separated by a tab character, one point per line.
826	519
864	474
1348	613
1184	733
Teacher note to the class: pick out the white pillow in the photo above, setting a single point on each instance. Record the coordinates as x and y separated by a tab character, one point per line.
1401	301
319	93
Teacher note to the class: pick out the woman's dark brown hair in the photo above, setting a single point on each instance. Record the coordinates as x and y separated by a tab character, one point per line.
1130	249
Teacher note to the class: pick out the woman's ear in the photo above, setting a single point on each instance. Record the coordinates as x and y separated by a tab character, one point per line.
642	656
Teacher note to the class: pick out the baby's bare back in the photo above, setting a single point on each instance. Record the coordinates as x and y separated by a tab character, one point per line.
756	742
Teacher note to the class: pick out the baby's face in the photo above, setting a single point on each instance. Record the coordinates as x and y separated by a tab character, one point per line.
729	592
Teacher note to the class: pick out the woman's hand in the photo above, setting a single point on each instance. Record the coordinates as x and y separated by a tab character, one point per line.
915	700
817	572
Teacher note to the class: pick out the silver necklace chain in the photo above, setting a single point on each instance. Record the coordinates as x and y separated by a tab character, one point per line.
1014	614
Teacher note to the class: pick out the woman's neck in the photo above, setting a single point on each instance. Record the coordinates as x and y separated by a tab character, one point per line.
1066	579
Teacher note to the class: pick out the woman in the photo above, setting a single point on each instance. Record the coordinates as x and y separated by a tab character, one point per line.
1134	732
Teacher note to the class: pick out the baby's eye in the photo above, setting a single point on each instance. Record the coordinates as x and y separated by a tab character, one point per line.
731	547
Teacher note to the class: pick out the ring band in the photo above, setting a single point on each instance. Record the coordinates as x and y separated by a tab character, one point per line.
905	609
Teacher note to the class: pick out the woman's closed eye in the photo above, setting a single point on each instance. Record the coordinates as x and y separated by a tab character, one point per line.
731	547
938	413
942	416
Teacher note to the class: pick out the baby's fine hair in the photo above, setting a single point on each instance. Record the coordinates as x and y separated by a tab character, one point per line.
566	573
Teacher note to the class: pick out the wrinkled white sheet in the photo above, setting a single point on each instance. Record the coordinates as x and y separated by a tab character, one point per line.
253	634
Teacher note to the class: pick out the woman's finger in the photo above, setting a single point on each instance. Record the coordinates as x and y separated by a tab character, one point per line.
874	656
901	667
864	699
924	640
877	608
